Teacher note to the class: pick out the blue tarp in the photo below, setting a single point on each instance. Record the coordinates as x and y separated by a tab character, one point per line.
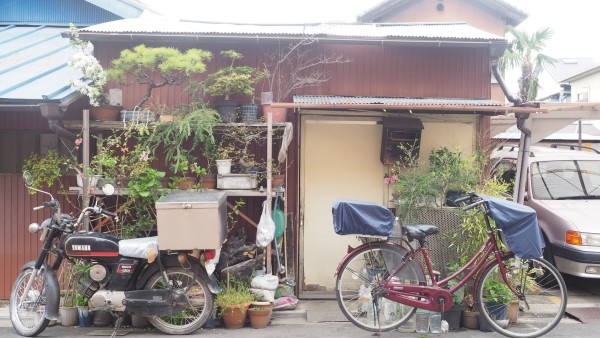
519	224
362	218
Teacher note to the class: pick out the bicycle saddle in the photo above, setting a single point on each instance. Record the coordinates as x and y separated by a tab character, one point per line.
418	231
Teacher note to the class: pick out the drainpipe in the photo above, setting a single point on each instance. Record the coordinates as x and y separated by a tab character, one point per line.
52	112
523	124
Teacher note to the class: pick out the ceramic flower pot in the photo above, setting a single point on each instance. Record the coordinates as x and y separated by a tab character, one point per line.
277	114
223	166
69	316
105	113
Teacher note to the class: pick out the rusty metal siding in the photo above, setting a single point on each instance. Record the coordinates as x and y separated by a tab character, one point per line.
18	245
374	71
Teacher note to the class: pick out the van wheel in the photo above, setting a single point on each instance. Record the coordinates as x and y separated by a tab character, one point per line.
548	256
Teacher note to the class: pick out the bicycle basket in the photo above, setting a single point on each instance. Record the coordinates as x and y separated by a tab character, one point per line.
522	234
361	218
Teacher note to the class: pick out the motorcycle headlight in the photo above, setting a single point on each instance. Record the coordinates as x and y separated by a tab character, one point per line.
34	227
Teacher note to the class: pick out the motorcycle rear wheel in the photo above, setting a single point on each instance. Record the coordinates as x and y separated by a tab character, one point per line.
201	301
28	319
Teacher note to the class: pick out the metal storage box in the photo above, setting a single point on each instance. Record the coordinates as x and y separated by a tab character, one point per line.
191	220
237	181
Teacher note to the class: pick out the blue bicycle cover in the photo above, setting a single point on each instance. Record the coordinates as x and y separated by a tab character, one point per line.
519	224
361	218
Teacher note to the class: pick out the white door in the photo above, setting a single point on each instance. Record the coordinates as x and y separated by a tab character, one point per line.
339	160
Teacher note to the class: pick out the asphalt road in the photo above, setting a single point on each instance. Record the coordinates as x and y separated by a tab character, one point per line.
582	292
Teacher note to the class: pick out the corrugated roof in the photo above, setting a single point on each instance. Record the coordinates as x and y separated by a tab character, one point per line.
394	101
441	31
33	64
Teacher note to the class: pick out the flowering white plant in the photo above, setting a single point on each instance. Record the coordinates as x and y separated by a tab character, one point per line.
83	60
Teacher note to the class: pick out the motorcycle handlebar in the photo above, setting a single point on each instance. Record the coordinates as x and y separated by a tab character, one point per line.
108	213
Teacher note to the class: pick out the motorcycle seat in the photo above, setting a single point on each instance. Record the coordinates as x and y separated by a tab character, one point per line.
145	247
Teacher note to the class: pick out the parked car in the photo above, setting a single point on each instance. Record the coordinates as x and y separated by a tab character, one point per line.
563	186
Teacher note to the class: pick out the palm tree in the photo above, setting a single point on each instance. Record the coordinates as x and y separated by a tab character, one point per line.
526	52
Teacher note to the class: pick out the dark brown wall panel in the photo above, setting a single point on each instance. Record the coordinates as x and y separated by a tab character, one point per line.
396	71
18	246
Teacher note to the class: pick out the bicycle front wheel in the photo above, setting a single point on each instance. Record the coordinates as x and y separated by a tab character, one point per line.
544	303
359	290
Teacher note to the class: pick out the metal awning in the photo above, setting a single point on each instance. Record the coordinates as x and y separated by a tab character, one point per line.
406	104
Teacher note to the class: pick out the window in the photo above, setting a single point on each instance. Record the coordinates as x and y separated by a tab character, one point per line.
397	132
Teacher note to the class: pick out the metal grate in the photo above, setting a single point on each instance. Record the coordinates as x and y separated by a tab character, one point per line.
448	223
586	315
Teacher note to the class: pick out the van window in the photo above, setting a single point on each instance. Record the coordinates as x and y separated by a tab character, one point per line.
554	180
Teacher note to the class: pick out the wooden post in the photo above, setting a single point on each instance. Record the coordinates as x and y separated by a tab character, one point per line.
269	178
86	164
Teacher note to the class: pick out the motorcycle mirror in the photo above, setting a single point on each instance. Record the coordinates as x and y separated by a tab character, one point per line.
108	189
28	178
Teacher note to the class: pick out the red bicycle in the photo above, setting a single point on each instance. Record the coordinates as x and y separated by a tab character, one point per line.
380	284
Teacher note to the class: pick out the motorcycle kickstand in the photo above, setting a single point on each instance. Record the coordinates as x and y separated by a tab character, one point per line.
118	323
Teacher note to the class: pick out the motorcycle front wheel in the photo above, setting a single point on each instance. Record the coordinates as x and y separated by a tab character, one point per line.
27	311
201	301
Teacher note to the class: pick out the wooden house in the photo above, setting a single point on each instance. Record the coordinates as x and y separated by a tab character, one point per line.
415	74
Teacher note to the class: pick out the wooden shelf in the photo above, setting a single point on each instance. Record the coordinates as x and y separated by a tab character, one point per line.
232	193
116	125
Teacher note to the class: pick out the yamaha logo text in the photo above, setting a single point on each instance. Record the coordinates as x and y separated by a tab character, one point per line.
81	248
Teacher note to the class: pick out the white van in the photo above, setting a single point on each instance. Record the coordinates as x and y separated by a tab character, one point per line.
563	186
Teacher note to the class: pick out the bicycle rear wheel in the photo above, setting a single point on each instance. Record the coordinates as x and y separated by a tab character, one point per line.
359	292
541	310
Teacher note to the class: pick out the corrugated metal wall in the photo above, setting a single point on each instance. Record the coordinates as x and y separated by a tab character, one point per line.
18	246
61	12
373	71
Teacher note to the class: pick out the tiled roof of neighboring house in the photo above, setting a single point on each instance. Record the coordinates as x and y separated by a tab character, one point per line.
514	16
584	73
567	67
33	65
395	101
377	33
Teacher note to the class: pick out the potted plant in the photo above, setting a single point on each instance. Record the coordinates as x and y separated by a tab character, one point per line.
260	315
496	297
291	67
233	301
93	78
232	80
85	316
453	315
225	153
470	314
155	67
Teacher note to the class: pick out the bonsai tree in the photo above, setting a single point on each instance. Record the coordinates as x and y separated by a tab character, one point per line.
232	79
157	67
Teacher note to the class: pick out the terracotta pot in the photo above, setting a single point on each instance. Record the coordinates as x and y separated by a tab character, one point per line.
209	181
234	316
260	317
105	113
186	183
469	319
512	313
277	114
277	180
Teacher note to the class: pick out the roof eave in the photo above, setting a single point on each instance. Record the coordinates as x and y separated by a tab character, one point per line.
192	37
442	109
